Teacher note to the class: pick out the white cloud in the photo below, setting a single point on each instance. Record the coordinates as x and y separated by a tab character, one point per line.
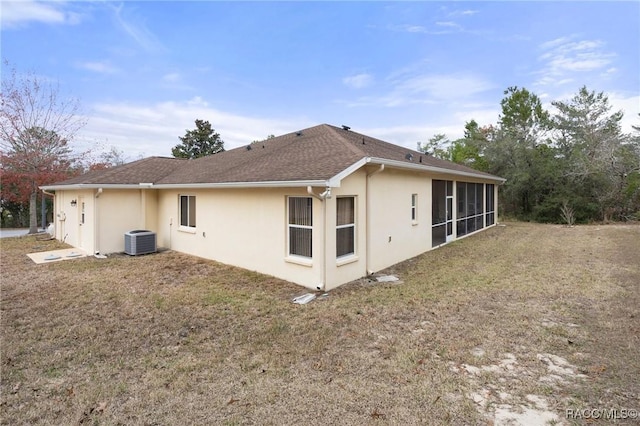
173	77
102	67
153	129
136	28
630	105
554	43
563	57
466	12
358	81
406	88
18	13
442	28
415	29
449	24
445	87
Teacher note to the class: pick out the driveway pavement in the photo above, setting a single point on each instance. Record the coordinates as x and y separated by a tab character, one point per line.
5	233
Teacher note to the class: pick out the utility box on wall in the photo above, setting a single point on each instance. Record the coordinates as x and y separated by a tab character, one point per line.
139	241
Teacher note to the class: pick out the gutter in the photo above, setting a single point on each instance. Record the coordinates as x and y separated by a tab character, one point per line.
265	184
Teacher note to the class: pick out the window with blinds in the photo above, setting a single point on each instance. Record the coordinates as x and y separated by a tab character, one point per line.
345	226
300	226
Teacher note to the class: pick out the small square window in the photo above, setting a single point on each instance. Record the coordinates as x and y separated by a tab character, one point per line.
414	207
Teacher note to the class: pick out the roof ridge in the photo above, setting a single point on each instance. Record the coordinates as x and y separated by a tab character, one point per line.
345	141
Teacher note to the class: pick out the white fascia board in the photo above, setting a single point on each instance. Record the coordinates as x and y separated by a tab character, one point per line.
425	168
266	184
335	181
80	186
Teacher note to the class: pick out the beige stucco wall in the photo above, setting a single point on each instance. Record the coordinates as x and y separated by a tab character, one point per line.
347	268
120	211
394	236
248	227
242	227
107	217
67	219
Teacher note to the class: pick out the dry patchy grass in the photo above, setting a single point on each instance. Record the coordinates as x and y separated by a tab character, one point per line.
173	339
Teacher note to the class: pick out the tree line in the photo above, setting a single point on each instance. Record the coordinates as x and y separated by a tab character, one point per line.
37	126
575	164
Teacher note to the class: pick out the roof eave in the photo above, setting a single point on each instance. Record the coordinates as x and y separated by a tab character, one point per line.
425	168
79	186
260	184
263	184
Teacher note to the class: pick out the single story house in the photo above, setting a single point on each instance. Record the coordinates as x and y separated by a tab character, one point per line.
319	207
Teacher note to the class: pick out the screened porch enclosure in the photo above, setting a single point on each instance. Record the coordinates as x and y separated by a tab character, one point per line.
441	212
475	209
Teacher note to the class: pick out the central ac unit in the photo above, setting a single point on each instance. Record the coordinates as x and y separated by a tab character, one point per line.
139	241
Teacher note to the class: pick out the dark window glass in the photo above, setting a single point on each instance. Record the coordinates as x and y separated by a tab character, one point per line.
438	202
346	226
438	235
300	226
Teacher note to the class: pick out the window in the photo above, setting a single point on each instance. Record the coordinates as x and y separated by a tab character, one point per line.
345	226
300	225
414	207
188	211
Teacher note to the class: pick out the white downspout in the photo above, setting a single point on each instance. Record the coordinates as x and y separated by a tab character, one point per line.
368	218
96	228
326	194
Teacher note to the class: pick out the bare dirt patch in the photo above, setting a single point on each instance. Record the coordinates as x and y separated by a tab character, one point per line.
514	325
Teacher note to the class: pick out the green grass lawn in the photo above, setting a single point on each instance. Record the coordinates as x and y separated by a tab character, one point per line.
174	339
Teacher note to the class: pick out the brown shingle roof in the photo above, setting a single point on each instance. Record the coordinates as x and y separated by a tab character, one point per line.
147	170
316	153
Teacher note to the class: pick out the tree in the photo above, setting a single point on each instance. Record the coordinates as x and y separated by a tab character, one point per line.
515	149
262	140
107	159
201	141
36	125
600	162
437	146
469	150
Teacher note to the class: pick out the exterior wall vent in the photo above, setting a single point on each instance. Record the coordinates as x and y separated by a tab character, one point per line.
139	241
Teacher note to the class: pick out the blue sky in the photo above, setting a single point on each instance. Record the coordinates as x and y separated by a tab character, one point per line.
402	71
